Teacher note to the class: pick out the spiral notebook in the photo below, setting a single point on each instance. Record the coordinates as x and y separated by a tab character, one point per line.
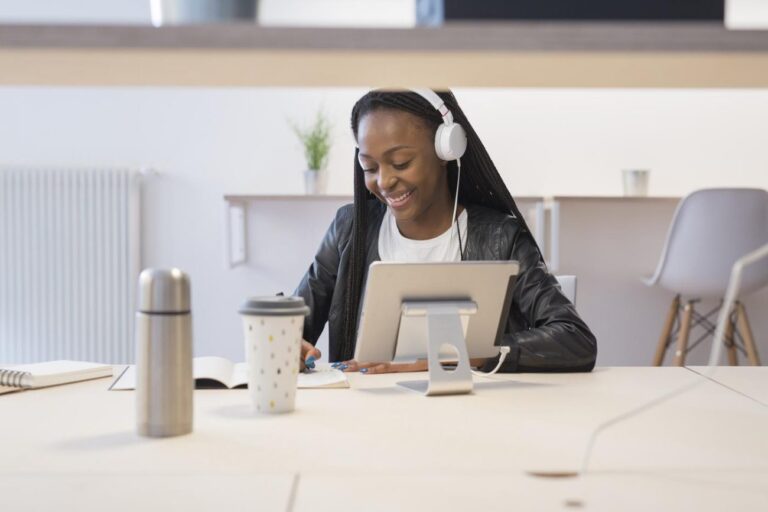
50	373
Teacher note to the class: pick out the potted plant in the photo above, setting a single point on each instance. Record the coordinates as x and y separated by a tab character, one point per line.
316	140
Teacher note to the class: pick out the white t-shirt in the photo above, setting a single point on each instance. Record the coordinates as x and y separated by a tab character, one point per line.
393	246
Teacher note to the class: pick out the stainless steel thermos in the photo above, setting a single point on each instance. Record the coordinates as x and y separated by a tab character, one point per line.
164	381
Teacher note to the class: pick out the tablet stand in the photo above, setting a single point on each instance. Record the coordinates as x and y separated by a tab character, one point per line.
439	324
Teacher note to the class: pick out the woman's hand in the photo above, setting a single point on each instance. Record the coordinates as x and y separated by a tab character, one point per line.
309	354
371	368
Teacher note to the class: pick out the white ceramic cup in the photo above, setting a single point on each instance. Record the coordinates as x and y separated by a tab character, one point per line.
273	328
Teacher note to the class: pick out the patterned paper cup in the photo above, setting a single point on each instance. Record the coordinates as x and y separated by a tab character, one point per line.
273	328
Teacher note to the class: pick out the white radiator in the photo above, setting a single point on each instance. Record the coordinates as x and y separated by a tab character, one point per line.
69	260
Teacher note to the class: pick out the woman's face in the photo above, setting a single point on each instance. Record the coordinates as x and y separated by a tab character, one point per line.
397	154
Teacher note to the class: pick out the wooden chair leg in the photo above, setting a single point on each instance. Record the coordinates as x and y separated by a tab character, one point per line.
746	334
661	347
730	343
682	337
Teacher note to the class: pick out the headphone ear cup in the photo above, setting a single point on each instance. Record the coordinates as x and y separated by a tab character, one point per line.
450	141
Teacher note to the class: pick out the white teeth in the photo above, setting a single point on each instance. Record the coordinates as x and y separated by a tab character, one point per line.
399	199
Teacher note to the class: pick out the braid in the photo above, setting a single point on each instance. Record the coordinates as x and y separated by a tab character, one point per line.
481	184
355	276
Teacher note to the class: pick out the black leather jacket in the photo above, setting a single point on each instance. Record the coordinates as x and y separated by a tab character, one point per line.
544	331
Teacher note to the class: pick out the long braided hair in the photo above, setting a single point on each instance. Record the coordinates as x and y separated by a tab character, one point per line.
480	184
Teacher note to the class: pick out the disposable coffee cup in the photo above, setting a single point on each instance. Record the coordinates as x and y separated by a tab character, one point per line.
635	182
273	328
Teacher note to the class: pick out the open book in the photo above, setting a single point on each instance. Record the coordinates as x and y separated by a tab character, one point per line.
50	373
218	372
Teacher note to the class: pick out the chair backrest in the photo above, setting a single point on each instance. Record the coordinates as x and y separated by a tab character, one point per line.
731	295
568	285
711	229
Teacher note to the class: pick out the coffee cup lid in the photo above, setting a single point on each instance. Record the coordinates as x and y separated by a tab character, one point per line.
274	306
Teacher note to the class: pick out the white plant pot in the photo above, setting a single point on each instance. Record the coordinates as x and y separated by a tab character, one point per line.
184	12
635	182
313	182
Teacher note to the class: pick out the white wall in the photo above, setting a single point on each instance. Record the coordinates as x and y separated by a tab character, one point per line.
206	143
575	142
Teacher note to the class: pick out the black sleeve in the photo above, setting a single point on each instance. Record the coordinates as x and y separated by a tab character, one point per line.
546	332
318	283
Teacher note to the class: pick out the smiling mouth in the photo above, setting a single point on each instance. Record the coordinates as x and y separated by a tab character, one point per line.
398	201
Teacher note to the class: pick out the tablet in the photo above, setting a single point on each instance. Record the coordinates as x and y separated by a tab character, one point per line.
488	284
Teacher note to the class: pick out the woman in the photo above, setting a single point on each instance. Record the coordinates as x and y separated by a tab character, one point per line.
404	210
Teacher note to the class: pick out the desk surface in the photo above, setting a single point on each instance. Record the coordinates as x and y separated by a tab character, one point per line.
750	380
376	433
506	491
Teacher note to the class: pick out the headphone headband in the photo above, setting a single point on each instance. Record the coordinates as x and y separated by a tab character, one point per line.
437	102
450	137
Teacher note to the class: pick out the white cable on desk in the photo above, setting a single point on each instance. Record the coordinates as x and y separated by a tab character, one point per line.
503	351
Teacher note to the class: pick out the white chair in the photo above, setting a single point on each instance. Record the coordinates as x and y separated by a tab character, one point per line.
710	230
568	285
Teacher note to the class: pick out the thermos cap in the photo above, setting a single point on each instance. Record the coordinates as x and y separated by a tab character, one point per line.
163	291
274	306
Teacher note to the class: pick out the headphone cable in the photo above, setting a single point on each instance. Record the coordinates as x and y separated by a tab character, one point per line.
455	207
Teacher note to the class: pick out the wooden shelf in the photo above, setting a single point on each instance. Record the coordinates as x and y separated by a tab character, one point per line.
613	198
567	54
546	216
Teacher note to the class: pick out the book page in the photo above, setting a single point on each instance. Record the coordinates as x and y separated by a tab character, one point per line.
322	377
240	376
208	372
212	368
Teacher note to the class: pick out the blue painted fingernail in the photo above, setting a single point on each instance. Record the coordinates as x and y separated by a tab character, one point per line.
363	370
343	367
335	365
310	361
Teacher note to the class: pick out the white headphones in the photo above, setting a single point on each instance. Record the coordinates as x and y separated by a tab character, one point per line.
450	144
450	138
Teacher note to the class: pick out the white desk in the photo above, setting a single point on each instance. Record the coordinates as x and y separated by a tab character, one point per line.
148	492
378	436
750	380
509	491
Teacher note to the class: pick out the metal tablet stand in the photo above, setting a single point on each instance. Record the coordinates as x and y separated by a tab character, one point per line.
440	325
